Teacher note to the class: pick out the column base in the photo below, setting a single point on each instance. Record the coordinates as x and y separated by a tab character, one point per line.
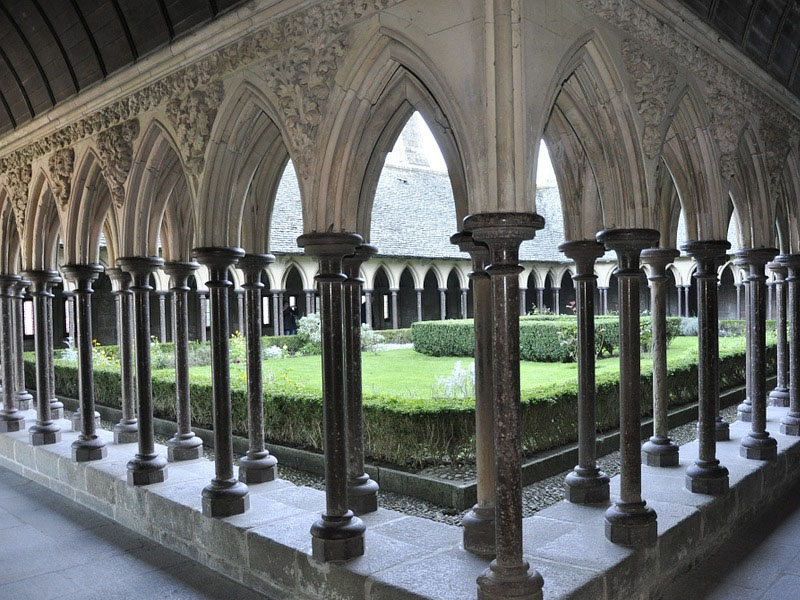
633	525
587	486
87	450
762	447
744	412
790	424
259	467
337	538
45	434
126	433
56	410
722	430
184	447
779	397
362	495
76	420
11	423
660	452
145	469
479	532
225	498
510	583
24	401
709	478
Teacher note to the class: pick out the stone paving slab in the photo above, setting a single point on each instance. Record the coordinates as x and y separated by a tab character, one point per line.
268	548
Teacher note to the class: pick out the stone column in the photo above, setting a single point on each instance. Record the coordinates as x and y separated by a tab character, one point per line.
240	310
309	302
280	313
184	445
368	306
556	301
790	422
680	300
770	296
11	418
523	301
478	523
780	395
162	316
586	483
738	287
203	325
45	431
127	430
744	412
442	303
540	299
258	465
23	397
338	535
686	306
508	575
758	444
56	406
630	521
88	446
276	312
225	495
419	303
70	316
147	466
395	309
464	312
659	450
362	492
707	475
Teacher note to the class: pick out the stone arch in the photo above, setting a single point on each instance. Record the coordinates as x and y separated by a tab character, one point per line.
43	227
9	236
248	157
286	271
790	187
750	191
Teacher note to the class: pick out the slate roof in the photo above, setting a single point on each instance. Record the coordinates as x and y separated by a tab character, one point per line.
414	216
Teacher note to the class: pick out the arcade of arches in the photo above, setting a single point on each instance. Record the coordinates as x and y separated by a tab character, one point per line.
140	183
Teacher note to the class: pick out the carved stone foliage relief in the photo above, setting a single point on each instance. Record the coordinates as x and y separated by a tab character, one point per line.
193	116
115	146
61	165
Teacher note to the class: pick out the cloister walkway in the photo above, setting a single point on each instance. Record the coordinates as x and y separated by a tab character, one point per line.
53	548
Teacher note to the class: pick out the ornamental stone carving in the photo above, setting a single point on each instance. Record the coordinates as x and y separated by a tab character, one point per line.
115	147
727	121
776	134
653	80
19	181
193	117
61	165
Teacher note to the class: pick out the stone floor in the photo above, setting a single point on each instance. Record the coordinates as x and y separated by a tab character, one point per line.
53	548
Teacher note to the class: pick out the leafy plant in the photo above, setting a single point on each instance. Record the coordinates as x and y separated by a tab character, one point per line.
459	384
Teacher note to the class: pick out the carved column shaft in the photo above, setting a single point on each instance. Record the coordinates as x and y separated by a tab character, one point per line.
24	399
127	430
11	418
780	395
56	406
790	423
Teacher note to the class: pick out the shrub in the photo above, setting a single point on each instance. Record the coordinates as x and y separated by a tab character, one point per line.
370	339
688	326
396	336
459	384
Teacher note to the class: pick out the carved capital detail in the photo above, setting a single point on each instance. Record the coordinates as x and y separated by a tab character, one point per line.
193	116
653	80
61	166
19	181
115	146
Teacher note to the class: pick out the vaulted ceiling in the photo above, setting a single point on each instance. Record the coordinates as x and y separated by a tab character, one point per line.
768	31
52	49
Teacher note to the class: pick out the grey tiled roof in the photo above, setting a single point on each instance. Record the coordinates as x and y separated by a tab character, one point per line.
414	215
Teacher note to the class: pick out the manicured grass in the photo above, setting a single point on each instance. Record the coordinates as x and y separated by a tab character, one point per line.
406	372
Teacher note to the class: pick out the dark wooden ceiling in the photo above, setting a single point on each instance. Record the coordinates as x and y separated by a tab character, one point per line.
52	49
768	31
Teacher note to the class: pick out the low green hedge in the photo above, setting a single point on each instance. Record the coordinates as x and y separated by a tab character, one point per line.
400	430
736	327
395	336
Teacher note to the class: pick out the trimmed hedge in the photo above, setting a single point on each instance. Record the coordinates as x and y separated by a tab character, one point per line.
736	327
395	336
404	431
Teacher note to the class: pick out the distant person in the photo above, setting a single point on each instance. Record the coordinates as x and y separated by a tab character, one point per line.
289	319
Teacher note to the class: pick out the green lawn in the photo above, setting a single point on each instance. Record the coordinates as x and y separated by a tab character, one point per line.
406	372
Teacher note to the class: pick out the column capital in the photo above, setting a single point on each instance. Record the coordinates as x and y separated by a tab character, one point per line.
756	257
41	280
8	284
778	268
628	244
179	272
82	275
330	248
792	263
218	260
584	253
503	232
20	287
708	254
351	264
140	268
478	252
252	265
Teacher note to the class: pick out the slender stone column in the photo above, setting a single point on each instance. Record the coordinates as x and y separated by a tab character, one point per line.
744	412
362	492
240	310
338	535
127	430
790	422
738	287
280	312
225	495
395	309
56	406
478	523
184	445
45	431
464	293
523	301
203	309
419	304
69	297
586	483
309	302
509	574
147	466
556	301
368	307
23	397
630	521
442	303
88	446
276	312
540	299
780	395
770	297
659	450
686	306
162	316
680	300
707	475
258	465
11	418
758	444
